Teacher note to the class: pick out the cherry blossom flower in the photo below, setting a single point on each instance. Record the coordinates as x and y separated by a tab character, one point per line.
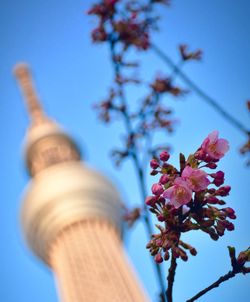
215	147
196	179
179	194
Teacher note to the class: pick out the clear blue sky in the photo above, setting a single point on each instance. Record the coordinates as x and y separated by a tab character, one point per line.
71	74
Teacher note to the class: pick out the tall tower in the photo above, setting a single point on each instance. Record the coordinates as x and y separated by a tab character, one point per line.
71	214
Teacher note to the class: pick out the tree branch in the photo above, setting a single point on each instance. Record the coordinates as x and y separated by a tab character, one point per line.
217	283
139	171
205	97
170	278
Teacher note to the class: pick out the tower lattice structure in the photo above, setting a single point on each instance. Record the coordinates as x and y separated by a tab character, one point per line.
71	214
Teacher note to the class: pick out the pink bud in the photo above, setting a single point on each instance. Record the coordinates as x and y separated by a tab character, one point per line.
212	200
154	164
157	189
223	191
160	217
230	226
158	242
220	174
150	201
158	258
164	156
230	212
218	181
211	165
164	179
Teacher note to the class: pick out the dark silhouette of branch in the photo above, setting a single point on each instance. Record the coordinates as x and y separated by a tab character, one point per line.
171	275
205	97
238	266
138	168
217	283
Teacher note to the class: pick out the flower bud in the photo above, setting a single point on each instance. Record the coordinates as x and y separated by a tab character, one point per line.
164	179
218	178
230	213
213	235
154	172
158	242
223	191
157	189
211	165
212	200
150	201
166	256
221	202
193	251
161	217
164	156
218	181
230	226
158	258
154	164
183	254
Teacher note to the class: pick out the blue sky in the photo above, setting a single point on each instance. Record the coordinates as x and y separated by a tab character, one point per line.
71	75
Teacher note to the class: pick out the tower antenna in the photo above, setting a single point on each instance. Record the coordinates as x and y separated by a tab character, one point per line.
24	78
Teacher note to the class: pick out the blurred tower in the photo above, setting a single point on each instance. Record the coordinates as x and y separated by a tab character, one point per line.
71	214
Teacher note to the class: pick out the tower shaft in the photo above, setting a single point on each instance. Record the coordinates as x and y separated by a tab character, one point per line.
90	265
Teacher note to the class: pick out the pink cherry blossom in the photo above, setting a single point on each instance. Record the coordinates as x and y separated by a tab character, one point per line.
215	147
179	194
196	179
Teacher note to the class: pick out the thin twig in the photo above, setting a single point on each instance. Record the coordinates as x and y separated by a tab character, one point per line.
208	99
217	283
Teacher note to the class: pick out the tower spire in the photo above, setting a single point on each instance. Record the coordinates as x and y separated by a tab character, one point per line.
35	110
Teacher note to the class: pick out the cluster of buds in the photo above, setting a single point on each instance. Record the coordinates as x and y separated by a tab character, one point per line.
126	22
164	84
189	199
133	32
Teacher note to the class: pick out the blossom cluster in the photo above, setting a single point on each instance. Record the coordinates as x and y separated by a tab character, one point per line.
130	29
189	199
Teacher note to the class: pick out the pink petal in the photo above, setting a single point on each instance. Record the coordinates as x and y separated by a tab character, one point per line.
187	171
222	145
213	136
175	203
180	181
168	193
